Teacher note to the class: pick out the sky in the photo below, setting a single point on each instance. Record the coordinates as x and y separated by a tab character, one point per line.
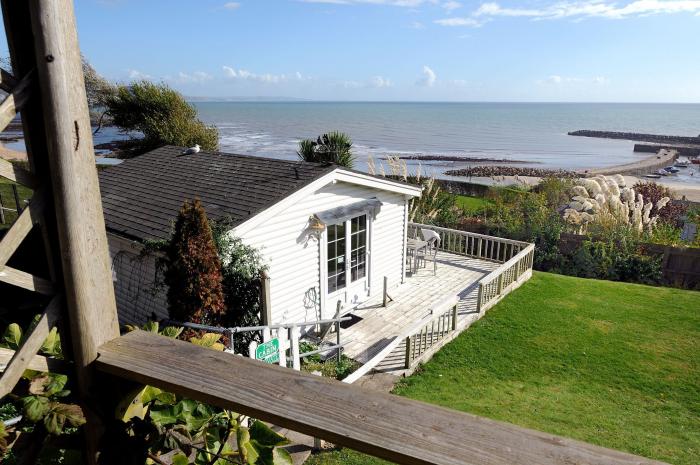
406	50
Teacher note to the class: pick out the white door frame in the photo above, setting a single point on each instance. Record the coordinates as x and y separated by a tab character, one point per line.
329	302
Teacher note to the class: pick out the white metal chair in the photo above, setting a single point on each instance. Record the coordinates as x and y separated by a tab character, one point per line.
433	240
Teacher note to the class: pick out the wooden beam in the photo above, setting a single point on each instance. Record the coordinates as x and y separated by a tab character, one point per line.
81	229
21	228
27	281
37	363
31	345
391	427
7	81
16	174
14	102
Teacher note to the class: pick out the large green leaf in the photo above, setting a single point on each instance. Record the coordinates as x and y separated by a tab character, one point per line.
60	414
273	456
248	452
52	344
265	436
35	407
180	459
171	331
151	327
13	336
48	384
163	415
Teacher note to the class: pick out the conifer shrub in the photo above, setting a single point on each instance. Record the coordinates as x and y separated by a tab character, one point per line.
192	270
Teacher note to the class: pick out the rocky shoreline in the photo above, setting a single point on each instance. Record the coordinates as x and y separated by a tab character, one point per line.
491	171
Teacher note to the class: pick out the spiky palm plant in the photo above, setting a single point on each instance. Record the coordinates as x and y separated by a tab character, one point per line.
333	147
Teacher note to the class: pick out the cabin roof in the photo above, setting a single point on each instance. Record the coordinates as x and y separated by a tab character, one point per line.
142	196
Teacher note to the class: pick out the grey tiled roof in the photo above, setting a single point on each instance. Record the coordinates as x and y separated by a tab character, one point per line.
142	196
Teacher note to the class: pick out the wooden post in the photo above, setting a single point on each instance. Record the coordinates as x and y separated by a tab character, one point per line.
407	363
265	307
18	203
385	298
294	337
2	211
337	339
454	317
81	228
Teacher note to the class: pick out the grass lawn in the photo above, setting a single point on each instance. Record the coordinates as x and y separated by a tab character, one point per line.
471	204
609	363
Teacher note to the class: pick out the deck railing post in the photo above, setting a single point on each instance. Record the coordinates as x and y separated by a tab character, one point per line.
385	298
454	317
407	363
265	304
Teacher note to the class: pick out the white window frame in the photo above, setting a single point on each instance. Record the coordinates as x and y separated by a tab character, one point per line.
360	286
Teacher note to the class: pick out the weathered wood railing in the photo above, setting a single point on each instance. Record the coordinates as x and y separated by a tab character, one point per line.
423	341
495	285
473	245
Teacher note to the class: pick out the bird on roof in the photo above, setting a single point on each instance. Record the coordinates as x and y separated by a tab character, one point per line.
192	150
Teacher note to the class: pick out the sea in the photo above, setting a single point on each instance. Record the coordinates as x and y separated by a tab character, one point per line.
534	133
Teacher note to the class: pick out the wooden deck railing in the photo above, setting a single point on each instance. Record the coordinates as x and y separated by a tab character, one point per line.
387	426
470	244
516	258
424	340
495	285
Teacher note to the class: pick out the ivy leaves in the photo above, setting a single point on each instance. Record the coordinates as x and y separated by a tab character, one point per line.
201	434
42	404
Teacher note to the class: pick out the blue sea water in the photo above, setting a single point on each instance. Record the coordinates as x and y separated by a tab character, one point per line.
533	132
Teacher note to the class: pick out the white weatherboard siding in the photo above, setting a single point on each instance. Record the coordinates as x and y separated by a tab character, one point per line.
294	263
133	278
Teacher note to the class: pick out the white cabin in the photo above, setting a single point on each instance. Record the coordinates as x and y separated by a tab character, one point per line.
327	234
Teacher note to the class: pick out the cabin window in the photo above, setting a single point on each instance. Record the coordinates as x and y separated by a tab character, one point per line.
346	240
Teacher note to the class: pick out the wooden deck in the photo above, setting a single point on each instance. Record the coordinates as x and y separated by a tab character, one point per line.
456	275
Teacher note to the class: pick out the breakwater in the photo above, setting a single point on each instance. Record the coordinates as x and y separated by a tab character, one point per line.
654	138
457	158
491	171
648	165
683	150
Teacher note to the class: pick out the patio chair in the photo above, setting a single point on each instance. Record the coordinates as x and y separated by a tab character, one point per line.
431	250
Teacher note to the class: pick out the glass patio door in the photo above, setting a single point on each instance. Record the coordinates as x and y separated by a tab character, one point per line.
346	260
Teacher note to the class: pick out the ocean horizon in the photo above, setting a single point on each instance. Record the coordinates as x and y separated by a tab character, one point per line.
534	133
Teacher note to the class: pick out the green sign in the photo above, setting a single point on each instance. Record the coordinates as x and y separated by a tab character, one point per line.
268	352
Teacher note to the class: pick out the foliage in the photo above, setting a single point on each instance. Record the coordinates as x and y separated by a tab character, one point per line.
555	190
161	114
330	367
333	147
613	260
672	213
193	269
97	88
471	205
242	267
43	401
601	203
155	423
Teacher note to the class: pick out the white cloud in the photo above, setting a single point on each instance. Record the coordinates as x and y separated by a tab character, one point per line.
451	5
558	80
428	79
417	25
469	22
197	77
378	82
594	8
577	10
267	78
136	75
232	5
